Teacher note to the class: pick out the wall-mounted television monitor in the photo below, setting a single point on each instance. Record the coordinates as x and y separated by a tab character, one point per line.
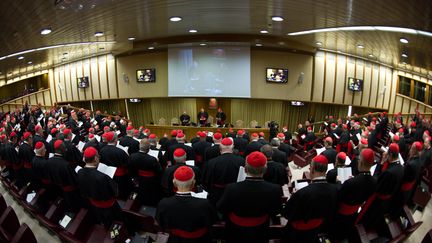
83	82
355	84
146	75
134	100
277	75
297	103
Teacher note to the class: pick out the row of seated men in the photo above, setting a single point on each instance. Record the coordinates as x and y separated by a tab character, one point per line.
243	209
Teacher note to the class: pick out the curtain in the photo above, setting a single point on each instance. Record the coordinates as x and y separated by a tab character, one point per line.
140	113
110	106
261	111
169	108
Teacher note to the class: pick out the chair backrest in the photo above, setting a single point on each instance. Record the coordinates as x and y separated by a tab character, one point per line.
253	123
174	120
239	124
210	120
80	225
162	121
9	223
24	235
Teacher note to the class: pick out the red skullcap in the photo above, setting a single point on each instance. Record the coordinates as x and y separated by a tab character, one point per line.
109	136
106	128
184	173
66	132
2	137
254	135
129	128
345	126
39	145
396	138
261	134
13	134
91	135
342	155
37	127
418	146
54	130
329	139
202	135
394	148
58	143
152	136
90	152
91	129
333	124
26	135
147	130
136	131
401	130
227	142
281	135
240	132
179	152
320	159
364	141
413	124
256	159
217	136
180	135
368	155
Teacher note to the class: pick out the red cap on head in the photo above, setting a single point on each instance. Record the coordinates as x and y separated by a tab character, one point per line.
427	132
309	129
320	159
328	139
2	137
401	130
254	135
91	135
13	134
109	136
281	135
129	128
418	146
152	136
91	129
413	124
27	135
394	148
227	142
184	173
230	129
54	131
256	159
217	136
37	127
106	128
374	118
333	125
369	128
342	155
345	126
66	132
179	152
180	135
368	155
90	152
136	132
261	134
58	143
147	131
202	135
364	141
39	145
240	132
396	138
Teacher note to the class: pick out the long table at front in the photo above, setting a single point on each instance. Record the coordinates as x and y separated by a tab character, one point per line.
191	132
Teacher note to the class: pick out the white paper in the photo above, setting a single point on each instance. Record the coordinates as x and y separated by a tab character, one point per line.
358	136
241	174
336	135
202	194
80	123
49	138
98	138
385	149
303	136
80	146
78	168
365	119
188	144
300	185
154	153
320	150
347	161
95	122
372	169
329	167
344	174
401	160
50	155
59	119
17	149
137	139
73	136
61	110
30	196
190	162
118	132
391	134
107	170
65	221
325	123
123	148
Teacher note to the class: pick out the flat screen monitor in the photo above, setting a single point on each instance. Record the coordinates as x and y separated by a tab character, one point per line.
134	100
146	75
83	82
297	103
277	75
355	84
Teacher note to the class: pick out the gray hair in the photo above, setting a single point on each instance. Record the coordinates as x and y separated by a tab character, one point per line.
275	142
267	150
144	145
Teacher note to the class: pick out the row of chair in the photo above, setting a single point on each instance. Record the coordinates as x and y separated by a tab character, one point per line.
10	228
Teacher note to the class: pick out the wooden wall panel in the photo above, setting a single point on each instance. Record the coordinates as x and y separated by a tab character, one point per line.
103	77
405	106
366	84
319	77
381	84
95	78
350	73
398	105
341	84
358	74
112	79
32	100
40	98
329	87
68	83
62	82
388	81
47	98
88	93
73	80
374	85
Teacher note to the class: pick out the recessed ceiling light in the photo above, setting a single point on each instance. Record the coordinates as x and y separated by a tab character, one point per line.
203	44
175	19
277	18
360	46
98	34
370	55
20	57
258	44
46	31
193	31
150	47
404	40
131	38
318	43
30	62
404	55
264	31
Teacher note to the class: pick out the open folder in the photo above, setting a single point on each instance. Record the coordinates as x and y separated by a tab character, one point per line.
107	170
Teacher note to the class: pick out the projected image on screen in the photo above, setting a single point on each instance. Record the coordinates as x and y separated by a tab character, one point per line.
209	71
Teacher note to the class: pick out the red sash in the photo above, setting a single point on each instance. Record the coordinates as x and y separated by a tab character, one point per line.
189	234
407	186
307	225
121	171
146	173
27	165
346	209
248	221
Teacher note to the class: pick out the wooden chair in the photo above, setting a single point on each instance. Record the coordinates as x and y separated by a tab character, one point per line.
24	235
9	224
428	237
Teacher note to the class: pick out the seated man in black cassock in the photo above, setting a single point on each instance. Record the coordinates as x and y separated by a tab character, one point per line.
202	117
129	141
185	119
99	189
186	218
248	206
220	117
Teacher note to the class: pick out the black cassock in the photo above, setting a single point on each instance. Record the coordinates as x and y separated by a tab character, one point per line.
113	156
168	176
219	172
148	171
132	144
202	118
185	119
211	152
72	154
190	154
252	198
276	173
183	215
101	191
25	154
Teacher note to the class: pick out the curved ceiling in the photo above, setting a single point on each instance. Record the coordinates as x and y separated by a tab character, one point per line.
74	21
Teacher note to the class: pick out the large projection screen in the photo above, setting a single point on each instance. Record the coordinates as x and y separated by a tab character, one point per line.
209	71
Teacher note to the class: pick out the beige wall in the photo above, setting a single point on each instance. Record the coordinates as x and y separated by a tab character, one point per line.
407	105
